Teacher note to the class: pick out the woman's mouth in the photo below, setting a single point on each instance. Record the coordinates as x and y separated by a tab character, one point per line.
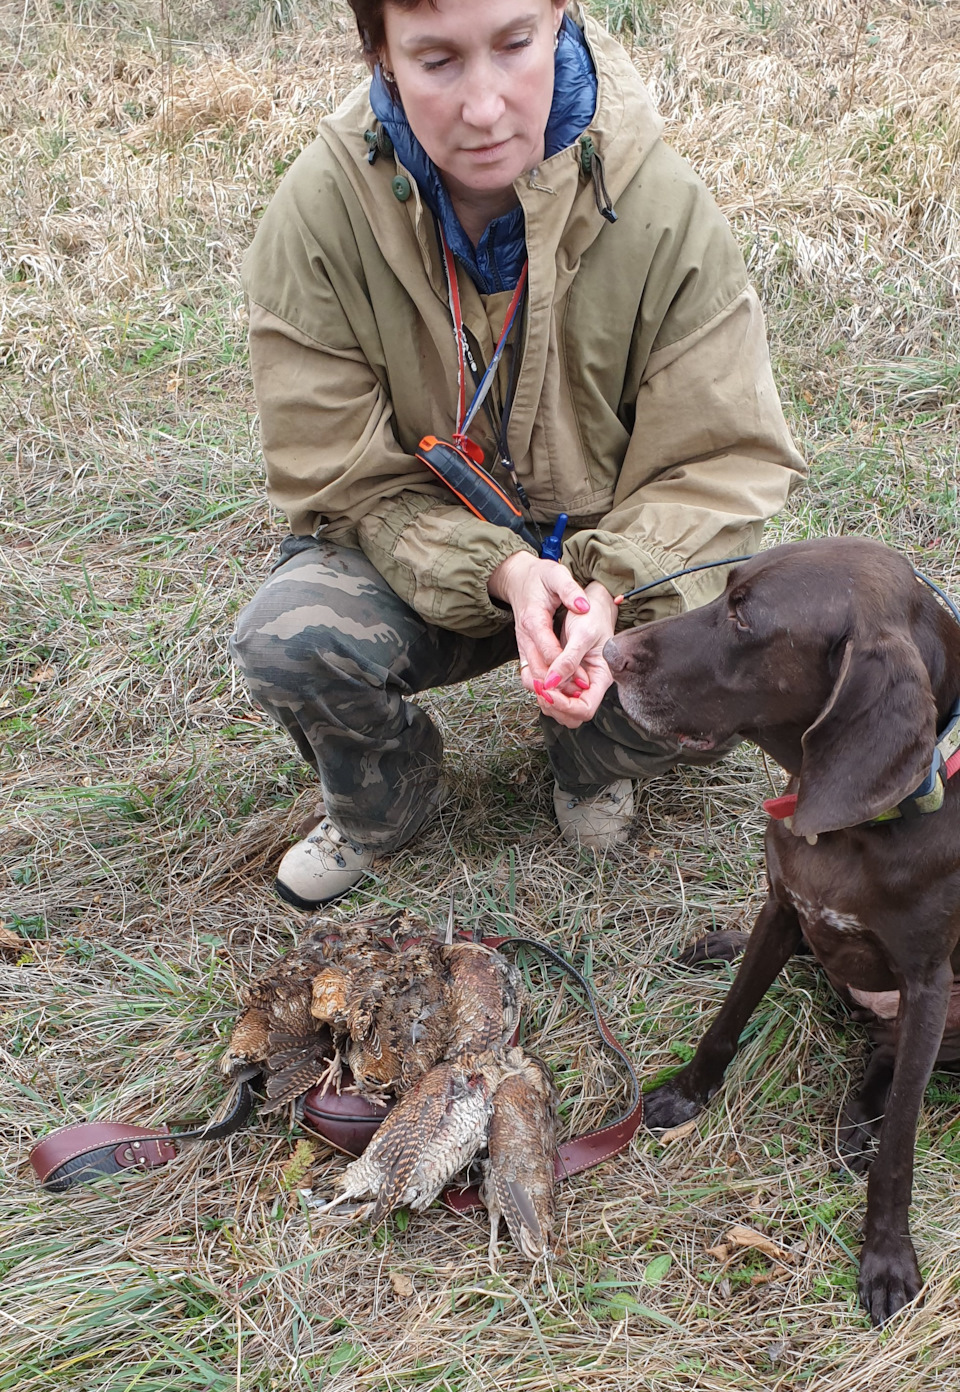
483	153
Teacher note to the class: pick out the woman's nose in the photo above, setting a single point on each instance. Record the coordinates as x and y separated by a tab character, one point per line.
483	102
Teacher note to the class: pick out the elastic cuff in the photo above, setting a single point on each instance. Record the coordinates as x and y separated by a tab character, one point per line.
293	546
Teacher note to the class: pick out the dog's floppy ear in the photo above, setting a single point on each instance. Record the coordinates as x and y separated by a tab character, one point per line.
872	743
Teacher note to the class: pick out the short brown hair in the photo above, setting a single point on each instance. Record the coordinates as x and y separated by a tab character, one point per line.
369	17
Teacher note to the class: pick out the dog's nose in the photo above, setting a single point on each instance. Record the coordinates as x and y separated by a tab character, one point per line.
613	657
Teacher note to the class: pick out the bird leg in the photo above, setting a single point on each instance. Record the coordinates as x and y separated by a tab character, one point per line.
358	1211
378	1097
493	1250
331	1075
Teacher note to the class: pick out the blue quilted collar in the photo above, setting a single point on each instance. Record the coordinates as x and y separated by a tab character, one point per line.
495	263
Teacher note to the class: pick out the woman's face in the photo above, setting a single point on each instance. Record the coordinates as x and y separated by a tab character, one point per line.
476	80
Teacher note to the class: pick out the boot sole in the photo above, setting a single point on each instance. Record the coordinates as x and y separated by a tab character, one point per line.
306	905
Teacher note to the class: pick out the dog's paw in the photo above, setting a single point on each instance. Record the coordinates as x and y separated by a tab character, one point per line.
667	1107
725	946
889	1277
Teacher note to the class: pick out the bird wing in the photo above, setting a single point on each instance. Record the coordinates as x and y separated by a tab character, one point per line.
295	1063
437	1128
520	1182
386	1167
418	1026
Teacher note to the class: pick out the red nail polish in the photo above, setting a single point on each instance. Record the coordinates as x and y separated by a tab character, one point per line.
545	695
582	606
581	683
553	680
538	686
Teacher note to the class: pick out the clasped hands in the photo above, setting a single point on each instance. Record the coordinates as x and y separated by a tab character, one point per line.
568	675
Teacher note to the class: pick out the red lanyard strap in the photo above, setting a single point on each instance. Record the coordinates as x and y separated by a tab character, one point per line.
466	414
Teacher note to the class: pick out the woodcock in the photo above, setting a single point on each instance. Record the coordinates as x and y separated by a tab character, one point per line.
430	1023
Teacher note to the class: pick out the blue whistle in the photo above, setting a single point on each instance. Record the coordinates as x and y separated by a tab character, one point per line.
553	546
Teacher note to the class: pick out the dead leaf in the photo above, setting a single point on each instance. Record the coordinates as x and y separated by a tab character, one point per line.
742	1236
721	1252
42	675
11	941
677	1133
402	1285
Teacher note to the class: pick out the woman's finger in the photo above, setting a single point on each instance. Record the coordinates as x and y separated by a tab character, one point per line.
573	712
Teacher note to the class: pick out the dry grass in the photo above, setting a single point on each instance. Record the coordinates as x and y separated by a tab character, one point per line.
143	804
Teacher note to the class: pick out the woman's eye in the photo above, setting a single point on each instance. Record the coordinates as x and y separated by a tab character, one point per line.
519	43
434	64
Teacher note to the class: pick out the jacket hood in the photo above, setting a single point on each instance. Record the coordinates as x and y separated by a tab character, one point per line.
495	263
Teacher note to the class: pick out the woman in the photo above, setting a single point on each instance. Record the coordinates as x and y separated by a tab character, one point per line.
504	159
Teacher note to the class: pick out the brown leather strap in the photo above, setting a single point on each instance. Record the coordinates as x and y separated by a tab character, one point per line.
89	1149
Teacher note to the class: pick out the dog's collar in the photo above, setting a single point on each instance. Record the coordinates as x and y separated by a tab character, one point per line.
928	797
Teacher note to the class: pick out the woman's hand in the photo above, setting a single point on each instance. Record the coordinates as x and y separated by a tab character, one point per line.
568	678
584	636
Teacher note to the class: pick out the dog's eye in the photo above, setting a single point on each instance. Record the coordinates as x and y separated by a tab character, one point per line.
736	615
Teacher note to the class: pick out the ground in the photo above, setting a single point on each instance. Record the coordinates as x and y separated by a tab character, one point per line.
143	803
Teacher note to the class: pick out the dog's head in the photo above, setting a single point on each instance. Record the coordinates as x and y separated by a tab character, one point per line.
818	651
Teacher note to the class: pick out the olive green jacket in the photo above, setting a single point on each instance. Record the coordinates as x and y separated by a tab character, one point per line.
645	406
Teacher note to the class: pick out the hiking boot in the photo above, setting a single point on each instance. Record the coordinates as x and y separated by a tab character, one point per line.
321	867
324	864
597	821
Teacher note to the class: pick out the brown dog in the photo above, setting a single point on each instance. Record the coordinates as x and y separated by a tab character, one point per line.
838	662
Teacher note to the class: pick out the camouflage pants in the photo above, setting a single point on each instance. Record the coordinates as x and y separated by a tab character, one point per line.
333	655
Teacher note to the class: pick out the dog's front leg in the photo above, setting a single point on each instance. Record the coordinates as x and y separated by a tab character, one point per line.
776	936
889	1274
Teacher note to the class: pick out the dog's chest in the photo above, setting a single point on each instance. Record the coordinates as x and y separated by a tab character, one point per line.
818	917
842	942
832	891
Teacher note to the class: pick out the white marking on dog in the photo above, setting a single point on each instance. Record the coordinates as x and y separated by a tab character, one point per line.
813	914
842	922
804	907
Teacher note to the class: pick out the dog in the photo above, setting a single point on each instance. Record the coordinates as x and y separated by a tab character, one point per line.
836	660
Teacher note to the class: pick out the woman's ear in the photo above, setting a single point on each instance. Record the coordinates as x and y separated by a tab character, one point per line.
382	62
873	742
